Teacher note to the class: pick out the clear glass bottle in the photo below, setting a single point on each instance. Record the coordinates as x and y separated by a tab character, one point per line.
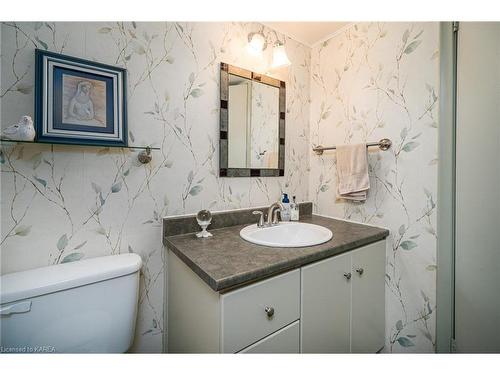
294	210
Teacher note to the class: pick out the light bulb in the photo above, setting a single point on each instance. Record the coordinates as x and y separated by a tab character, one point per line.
279	56
257	42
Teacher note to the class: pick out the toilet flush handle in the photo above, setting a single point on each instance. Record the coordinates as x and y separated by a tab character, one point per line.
15	308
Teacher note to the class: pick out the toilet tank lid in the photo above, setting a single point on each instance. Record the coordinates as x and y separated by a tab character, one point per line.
39	281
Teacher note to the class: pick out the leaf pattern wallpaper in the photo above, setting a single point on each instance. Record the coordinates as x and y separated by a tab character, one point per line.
374	81
63	203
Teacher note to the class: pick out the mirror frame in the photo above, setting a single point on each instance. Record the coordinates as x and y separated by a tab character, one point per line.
224	170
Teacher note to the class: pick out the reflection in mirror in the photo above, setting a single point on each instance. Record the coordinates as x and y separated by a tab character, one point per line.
253	119
252	125
239	117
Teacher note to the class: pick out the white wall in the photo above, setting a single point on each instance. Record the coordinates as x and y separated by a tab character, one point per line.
376	81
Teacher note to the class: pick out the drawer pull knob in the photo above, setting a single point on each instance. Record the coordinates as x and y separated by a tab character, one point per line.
269	311
360	271
347	275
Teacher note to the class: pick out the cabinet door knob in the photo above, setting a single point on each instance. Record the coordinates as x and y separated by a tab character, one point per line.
360	271
347	275
269	311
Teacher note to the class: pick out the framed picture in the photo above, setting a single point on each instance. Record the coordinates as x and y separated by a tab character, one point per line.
79	101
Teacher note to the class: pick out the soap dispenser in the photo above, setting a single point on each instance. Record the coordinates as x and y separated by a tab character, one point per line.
285	211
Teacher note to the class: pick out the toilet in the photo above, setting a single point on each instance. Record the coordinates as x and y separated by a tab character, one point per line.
88	306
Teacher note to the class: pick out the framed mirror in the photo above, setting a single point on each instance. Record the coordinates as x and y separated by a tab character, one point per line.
252	124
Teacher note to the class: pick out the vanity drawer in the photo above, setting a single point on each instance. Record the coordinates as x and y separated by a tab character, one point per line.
244	316
285	341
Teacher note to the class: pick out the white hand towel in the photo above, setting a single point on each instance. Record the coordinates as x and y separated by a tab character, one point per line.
352	170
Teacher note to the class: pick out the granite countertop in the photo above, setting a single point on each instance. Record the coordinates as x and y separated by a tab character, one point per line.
225	260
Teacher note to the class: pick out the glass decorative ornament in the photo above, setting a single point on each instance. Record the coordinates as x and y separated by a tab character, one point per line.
204	218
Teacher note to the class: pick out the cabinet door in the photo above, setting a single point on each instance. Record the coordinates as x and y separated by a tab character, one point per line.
325	305
368	298
286	340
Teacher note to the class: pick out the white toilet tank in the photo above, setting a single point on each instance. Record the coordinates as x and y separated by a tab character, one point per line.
88	306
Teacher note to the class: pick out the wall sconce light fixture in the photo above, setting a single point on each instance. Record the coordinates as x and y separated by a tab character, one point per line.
257	43
279	56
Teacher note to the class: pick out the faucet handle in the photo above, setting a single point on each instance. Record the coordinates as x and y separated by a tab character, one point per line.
260	224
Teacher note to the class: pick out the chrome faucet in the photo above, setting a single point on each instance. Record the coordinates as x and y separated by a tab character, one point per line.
272	213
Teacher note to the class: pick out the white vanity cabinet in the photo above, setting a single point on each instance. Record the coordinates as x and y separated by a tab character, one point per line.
257	318
313	309
343	302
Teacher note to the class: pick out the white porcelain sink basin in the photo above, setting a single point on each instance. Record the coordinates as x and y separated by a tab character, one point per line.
287	234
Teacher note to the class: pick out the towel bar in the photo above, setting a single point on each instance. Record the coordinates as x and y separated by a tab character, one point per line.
384	144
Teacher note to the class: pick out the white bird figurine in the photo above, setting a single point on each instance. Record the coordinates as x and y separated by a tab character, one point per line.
22	131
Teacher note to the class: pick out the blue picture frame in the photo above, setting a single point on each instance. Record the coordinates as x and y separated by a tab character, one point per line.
79	101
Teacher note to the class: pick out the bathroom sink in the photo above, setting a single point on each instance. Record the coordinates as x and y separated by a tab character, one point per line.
287	234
